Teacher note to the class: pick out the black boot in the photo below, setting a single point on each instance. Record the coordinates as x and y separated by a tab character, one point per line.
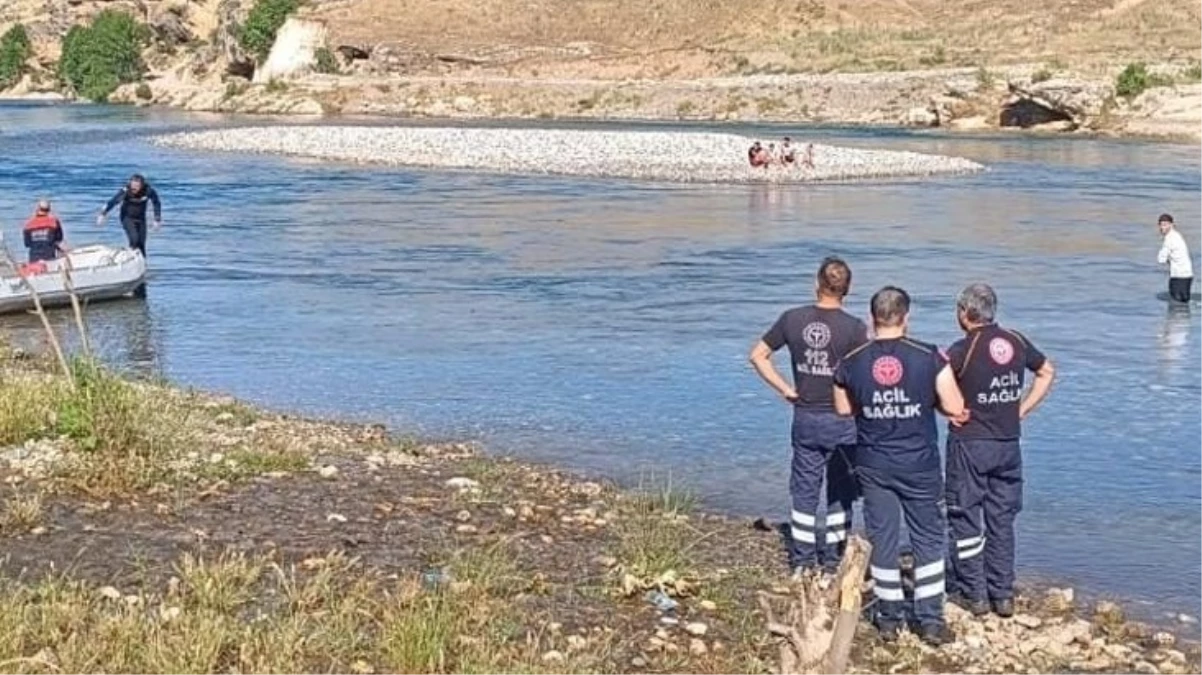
937	635
1004	608
974	607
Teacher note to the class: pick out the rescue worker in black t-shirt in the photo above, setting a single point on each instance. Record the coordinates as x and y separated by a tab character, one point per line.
818	335
893	385
984	461
133	199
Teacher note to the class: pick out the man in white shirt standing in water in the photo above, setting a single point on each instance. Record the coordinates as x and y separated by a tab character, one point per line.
1175	254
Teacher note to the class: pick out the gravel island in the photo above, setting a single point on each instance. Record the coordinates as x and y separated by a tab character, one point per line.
689	157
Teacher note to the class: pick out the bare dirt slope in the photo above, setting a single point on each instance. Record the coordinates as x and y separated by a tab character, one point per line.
691	38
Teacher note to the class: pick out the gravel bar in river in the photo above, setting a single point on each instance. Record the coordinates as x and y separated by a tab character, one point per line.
677	156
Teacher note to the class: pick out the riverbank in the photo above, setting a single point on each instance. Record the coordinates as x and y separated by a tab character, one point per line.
151	529
665	156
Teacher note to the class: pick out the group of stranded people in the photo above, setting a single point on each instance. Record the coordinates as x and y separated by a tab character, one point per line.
865	407
784	155
43	232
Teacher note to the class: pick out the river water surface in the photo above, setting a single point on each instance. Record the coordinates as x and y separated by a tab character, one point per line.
604	324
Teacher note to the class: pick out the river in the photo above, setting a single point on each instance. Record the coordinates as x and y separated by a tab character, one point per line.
604	324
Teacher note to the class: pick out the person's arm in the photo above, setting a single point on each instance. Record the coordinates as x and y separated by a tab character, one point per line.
154	201
951	401
761	360
839	395
113	202
843	402
1040	387
1166	250
28	239
1045	374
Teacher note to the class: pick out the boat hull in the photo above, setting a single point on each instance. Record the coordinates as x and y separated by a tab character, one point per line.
98	273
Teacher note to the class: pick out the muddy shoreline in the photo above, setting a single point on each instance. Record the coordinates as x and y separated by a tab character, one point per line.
138	496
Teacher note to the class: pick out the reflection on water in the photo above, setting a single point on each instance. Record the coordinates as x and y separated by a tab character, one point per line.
120	332
605	324
1174	337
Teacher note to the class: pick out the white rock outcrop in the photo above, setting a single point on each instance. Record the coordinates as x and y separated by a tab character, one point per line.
294	52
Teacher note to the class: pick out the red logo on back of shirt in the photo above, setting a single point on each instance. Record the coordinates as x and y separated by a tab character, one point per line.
1001	351
887	371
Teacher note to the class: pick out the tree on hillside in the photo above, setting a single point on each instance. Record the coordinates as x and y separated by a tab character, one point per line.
101	57
262	23
15	50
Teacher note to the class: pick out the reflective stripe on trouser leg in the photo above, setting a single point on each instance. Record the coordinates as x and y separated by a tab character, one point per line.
883	523
964	493
841	492
924	518
1003	501
805	484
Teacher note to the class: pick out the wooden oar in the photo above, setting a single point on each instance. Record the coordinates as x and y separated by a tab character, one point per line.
70	287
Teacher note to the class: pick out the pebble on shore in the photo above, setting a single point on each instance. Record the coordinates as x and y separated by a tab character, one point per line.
690	157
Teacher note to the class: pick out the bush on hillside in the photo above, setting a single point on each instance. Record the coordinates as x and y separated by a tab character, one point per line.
262	23
1135	80
15	50
327	63
101	57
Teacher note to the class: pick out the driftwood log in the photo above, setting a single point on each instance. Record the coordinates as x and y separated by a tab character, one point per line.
818	620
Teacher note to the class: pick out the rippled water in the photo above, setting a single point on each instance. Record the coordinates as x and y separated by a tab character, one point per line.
604	324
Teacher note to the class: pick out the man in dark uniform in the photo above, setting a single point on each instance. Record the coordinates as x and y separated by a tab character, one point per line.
43	234
893	385
818	335
984	461
133	198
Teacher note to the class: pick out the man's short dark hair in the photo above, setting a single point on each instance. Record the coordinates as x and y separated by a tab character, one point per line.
834	277
890	305
1165	218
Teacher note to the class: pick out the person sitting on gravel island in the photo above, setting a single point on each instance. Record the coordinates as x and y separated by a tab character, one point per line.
757	156
43	234
787	152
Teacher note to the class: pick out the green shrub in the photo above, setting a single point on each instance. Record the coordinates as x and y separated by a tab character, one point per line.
1193	73
1042	75
99	58
264	20
276	87
1132	81
1135	80
15	50
143	92
326	61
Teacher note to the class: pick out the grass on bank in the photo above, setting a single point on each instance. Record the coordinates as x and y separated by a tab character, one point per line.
249	614
108	436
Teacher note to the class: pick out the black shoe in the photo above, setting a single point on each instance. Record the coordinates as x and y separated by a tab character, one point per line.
974	607
937	635
889	632
1003	608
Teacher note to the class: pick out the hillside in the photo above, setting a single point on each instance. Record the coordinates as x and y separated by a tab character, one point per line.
970	64
692	38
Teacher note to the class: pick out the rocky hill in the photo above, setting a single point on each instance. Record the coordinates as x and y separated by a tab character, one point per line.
1055	65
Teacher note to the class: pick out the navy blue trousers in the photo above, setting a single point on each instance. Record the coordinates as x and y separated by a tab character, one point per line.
984	495
822	447
916	495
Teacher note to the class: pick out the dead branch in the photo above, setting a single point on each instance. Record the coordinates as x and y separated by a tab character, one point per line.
820	617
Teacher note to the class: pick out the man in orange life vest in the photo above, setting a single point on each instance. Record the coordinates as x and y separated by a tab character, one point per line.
43	234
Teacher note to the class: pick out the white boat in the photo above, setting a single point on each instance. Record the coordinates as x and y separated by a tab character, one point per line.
97	273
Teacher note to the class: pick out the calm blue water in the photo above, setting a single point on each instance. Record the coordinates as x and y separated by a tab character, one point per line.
604	325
